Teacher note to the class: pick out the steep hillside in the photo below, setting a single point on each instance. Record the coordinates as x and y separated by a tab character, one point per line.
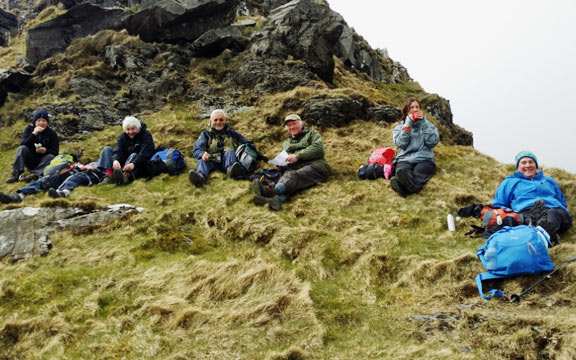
347	270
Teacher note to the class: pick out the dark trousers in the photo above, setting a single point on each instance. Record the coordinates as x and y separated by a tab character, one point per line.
558	218
26	158
419	172
299	179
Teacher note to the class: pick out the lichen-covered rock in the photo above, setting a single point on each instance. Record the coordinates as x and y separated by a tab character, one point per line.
54	36
180	21
11	80
303	30
25	232
214	41
332	112
8	24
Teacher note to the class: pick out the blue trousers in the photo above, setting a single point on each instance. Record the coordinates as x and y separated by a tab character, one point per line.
206	167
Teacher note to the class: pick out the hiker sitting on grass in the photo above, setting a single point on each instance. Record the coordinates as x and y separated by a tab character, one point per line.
415	138
215	150
534	195
61	182
133	149
38	147
306	165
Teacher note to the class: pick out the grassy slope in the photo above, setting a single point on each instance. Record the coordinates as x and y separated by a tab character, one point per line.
204	274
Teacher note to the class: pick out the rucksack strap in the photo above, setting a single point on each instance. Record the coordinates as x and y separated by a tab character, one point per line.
170	162
492	292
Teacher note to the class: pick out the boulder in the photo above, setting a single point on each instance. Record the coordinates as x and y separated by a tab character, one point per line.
180	21
213	42
25	232
303	30
269	75
8	24
54	36
384	114
11	80
332	112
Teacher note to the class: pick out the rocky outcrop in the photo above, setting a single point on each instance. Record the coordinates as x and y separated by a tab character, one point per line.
332	112
213	42
54	36
11	80
302	30
180	21
8	24
356	54
440	109
25	232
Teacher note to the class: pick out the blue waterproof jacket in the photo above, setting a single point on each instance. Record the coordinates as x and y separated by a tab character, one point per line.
518	192
417	144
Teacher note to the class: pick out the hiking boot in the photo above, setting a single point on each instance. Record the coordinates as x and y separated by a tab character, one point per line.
538	212
14	177
263	190
406	181
398	187
196	178
107	180
121	177
29	178
274	203
55	194
234	171
7	199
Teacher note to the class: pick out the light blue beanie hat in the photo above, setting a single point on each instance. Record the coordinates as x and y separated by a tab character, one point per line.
526	153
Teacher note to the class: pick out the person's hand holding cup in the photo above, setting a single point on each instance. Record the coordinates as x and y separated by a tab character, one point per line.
417	115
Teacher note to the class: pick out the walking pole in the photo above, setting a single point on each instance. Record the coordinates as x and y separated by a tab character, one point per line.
515	298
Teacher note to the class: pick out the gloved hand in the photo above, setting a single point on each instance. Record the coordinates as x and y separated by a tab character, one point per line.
474	210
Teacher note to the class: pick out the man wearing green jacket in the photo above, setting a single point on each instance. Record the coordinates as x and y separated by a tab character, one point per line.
305	165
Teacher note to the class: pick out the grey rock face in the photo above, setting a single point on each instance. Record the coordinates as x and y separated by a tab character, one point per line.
384	114
54	36
11	80
180	21
355	53
25	232
8	24
440	109
214	41
332	112
305	31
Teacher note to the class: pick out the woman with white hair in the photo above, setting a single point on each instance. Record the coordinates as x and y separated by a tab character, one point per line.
133	149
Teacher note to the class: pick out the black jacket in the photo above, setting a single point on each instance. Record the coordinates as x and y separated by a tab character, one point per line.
47	138
142	144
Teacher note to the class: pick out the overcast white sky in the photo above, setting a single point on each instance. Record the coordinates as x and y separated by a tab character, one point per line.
508	67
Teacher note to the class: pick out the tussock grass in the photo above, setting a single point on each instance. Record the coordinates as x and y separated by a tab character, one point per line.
343	271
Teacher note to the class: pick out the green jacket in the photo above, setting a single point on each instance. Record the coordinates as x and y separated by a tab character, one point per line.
308	147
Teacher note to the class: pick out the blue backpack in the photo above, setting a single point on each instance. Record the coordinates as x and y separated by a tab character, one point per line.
172	159
514	251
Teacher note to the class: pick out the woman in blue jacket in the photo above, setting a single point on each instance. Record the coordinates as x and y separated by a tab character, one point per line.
415	137
534	195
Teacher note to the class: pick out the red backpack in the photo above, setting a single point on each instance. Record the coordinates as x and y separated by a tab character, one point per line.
495	218
379	164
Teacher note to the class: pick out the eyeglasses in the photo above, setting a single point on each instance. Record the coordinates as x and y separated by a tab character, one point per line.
218	120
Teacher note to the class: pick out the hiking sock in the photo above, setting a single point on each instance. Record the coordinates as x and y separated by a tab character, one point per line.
398	187
404	178
280	189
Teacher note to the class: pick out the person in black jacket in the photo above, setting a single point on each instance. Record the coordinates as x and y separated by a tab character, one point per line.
38	147
133	149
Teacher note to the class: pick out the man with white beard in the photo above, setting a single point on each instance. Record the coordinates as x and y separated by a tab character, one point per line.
215	150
